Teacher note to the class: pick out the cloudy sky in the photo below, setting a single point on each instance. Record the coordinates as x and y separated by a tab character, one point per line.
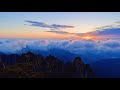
57	24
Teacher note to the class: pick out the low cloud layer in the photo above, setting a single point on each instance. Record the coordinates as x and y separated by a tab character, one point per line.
88	49
51	27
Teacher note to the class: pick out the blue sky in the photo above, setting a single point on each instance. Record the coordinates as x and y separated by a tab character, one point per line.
12	23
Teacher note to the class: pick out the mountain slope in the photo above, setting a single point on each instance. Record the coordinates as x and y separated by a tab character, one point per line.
34	66
107	68
61	54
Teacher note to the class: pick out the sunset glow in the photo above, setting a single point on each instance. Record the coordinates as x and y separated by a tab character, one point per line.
55	25
58	43
87	37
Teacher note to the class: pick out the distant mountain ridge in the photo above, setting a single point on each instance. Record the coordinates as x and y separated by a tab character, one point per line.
61	54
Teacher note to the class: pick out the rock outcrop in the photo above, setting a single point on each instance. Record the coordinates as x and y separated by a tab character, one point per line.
31	65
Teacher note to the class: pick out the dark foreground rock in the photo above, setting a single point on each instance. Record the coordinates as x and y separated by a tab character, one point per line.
30	65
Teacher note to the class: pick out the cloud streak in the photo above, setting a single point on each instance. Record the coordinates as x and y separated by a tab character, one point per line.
59	32
111	31
51	27
108	30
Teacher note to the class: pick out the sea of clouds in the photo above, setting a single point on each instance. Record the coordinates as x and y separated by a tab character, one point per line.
89	49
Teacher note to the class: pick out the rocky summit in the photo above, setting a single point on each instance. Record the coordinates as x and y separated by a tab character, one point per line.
30	65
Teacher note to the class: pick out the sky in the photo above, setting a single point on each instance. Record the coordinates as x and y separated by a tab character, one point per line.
53	24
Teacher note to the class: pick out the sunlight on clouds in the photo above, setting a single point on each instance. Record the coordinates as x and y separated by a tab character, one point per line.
83	28
87	37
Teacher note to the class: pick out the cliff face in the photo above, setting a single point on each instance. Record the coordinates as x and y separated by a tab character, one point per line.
30	65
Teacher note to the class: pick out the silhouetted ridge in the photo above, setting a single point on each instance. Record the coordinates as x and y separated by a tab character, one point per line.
9	59
54	64
2	64
31	65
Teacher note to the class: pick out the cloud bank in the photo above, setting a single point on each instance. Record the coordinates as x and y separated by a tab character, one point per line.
88	49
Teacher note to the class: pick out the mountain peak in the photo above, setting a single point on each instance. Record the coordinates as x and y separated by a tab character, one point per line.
53	67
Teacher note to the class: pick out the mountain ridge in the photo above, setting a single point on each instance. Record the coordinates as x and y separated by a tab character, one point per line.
31	65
